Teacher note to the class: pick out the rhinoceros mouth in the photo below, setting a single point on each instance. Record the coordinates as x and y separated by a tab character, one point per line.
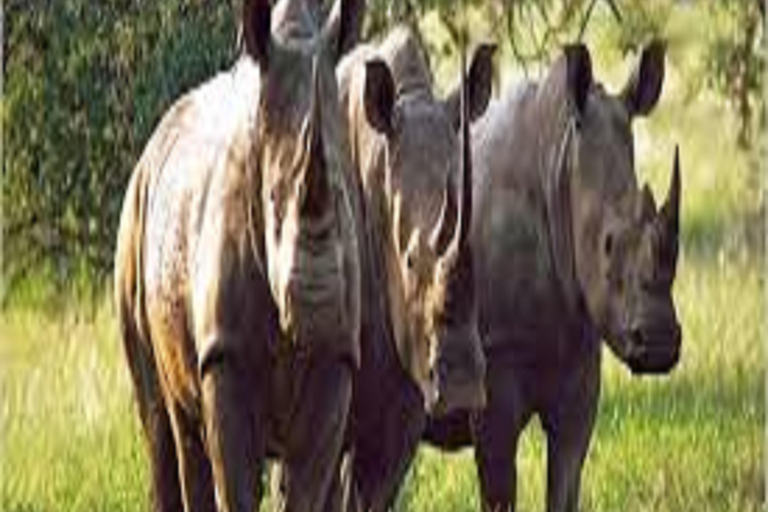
652	351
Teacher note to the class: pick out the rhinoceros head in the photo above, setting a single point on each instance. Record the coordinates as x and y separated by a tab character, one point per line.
427	162
301	155
625	248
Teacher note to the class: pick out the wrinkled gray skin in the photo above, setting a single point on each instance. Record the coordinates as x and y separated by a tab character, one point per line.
569	251
237	274
408	158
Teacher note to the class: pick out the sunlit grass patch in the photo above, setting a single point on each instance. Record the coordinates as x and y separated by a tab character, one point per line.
68	428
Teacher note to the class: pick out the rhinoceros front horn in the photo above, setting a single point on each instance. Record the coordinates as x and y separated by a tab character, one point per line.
450	236
466	163
315	179
669	217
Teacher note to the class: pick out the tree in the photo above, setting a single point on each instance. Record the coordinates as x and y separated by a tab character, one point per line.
84	85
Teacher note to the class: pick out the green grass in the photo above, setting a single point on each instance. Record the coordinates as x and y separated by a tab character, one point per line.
691	441
69	432
70	438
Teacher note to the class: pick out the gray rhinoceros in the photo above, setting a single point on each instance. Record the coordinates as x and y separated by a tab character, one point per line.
568	251
408	155
237	276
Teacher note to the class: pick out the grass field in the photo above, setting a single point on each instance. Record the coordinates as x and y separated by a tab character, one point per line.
693	441
70	439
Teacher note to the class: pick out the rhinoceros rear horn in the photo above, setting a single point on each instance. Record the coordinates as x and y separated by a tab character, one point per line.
257	21
452	243
315	179
450	236
669	217
441	236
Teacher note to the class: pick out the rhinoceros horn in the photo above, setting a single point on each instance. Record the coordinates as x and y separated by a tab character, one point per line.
669	218
441	234
460	282
465	214
450	236
315	179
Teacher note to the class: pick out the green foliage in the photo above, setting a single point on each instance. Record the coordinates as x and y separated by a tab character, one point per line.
736	63
85	83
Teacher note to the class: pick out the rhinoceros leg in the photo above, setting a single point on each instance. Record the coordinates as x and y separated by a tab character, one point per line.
154	417
233	406
569	426
194	468
314	441
385	450
496	431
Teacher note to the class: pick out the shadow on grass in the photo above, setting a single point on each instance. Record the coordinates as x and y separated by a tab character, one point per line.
708	238
732	397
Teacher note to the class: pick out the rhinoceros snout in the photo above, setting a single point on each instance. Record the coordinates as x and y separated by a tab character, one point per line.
655	351
459	381
461	396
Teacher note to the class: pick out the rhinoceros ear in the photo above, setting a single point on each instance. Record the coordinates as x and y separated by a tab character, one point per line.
579	74
257	21
480	82
642	91
379	96
344	24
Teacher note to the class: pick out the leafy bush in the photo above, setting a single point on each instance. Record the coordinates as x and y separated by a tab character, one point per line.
85	83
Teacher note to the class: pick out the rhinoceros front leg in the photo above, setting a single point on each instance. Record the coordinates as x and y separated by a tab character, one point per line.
569	428
382	459
313	446
233	406
496	431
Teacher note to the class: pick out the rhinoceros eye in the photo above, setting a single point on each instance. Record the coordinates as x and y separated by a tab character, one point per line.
608	244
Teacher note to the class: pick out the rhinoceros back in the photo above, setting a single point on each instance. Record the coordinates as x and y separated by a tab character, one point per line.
193	163
517	288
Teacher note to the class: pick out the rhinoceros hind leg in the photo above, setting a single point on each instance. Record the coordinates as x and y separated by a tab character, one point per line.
166	493
194	468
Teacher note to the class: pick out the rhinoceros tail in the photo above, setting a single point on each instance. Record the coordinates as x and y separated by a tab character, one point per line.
450	432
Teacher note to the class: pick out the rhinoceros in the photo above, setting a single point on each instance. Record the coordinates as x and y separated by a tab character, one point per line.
569	250
407	153
237	273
